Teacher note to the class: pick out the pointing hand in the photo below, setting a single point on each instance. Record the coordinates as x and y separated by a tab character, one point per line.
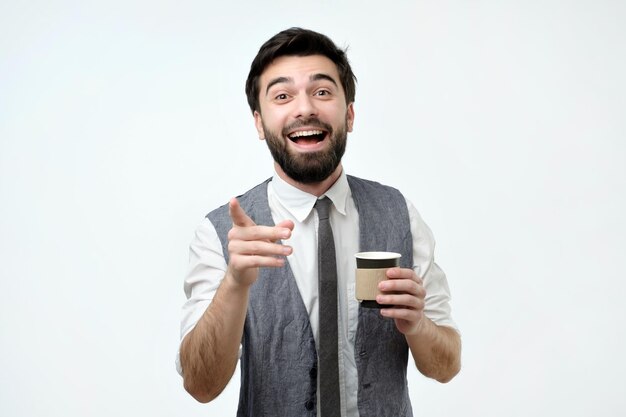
251	246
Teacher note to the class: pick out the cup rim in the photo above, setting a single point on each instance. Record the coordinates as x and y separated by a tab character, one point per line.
377	255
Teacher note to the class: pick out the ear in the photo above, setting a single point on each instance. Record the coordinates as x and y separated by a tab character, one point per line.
350	116
258	123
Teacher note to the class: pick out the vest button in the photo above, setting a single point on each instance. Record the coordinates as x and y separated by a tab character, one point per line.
309	405
313	373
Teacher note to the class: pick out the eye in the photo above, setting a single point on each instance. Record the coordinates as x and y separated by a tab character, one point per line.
282	96
322	93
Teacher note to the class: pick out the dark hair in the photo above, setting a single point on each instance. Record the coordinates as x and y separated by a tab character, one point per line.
298	42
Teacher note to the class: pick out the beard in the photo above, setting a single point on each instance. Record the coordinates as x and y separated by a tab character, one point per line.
308	167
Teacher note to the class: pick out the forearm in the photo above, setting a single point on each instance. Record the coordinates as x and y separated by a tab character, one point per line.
209	352
436	350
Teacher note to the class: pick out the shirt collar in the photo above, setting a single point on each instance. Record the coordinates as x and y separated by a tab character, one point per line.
300	203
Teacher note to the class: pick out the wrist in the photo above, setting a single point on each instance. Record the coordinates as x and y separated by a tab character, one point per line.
422	327
233	284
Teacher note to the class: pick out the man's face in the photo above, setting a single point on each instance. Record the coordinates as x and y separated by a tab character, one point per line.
303	116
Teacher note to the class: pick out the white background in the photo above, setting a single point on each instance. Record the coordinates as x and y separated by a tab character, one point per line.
123	122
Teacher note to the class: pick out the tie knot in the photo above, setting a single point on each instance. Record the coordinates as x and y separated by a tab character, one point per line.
323	207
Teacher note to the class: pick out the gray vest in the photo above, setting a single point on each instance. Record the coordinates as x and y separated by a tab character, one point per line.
279	359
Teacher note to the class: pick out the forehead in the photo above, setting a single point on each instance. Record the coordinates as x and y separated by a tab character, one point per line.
299	67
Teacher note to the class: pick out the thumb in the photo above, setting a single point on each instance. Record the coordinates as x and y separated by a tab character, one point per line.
238	215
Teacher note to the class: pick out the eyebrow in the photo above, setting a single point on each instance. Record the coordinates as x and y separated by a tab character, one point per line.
289	80
278	80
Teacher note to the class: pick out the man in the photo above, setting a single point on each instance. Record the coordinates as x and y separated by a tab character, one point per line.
253	283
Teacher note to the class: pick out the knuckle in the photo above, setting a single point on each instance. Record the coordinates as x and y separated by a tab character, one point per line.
406	301
407	313
234	245
234	262
256	248
399	313
250	248
258	233
276	235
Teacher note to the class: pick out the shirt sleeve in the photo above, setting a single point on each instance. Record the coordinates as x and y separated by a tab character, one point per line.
438	297
207	268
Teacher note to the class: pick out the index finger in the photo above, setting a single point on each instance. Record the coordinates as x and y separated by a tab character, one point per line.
238	215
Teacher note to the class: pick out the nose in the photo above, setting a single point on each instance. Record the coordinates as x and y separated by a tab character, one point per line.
305	106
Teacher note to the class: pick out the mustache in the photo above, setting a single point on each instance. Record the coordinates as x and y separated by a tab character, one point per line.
310	122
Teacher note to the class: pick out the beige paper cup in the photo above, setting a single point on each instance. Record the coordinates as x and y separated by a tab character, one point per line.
371	268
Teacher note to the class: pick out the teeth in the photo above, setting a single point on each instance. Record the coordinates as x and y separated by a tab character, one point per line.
306	133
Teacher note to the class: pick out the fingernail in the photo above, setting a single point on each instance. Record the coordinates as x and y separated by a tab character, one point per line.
285	233
286	250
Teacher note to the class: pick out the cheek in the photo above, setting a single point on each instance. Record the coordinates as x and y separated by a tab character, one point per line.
275	120
338	114
274	126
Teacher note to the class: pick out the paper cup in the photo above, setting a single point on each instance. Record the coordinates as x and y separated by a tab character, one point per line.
371	268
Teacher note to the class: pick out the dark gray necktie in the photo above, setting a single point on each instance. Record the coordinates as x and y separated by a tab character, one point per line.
327	351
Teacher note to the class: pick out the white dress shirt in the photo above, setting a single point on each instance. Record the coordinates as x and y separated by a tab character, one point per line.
207	267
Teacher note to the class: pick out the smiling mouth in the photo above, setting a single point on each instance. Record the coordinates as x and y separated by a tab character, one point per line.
307	137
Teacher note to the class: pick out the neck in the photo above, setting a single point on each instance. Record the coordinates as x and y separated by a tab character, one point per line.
317	188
